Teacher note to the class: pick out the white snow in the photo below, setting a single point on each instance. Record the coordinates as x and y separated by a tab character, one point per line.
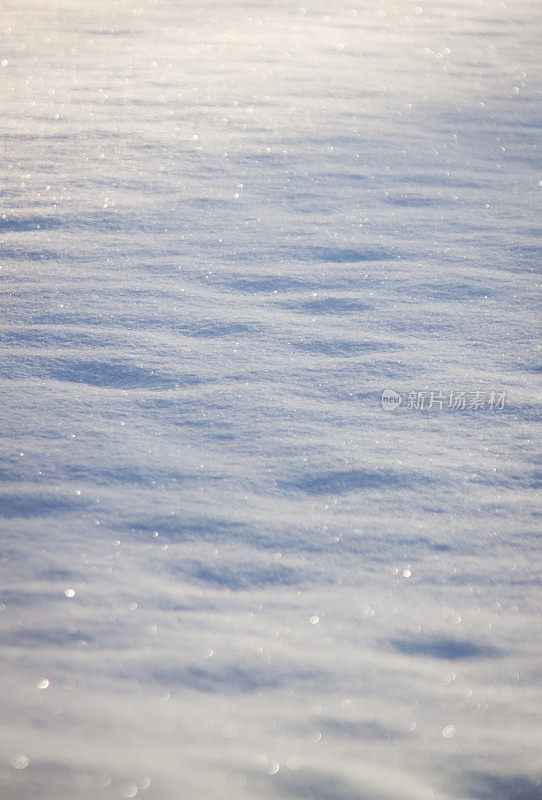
226	570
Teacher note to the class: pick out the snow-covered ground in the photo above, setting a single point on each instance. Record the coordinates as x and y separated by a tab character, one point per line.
227	571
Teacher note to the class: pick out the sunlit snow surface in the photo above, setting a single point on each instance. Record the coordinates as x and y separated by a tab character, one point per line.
227	572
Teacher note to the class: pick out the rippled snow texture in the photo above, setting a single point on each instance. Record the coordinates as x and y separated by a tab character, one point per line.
227	572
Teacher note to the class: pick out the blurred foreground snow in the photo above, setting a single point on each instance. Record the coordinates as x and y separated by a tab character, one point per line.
227	572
